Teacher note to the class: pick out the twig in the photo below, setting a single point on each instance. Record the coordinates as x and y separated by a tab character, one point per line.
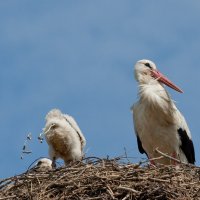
8	197
25	146
40	137
159	180
194	183
26	152
157	158
169	157
110	192
126	197
128	189
176	160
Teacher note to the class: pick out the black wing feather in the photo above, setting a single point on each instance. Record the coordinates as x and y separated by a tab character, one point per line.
141	150
187	146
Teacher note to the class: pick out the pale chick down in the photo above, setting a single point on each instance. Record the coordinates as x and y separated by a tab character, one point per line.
44	164
64	137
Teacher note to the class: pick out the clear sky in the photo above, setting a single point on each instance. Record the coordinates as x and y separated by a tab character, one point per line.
78	56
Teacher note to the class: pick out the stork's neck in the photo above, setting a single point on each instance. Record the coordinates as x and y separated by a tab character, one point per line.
154	97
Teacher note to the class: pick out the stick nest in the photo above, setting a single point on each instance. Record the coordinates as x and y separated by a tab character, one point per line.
104	179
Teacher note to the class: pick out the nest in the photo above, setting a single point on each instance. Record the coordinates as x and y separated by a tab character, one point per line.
104	179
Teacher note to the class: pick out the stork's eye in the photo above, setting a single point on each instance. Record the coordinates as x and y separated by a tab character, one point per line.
148	65
39	163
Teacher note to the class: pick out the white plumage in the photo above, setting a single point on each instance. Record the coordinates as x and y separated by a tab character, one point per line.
158	123
44	164
64	137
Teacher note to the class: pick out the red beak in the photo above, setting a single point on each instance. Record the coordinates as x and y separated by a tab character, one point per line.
161	78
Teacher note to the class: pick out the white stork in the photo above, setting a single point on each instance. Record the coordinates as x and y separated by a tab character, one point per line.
64	137
158	123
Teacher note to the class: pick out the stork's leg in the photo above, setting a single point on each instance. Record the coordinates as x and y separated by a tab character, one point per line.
66	162
152	162
53	162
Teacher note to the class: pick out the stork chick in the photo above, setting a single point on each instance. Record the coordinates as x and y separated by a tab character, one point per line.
64	137
158	123
44	164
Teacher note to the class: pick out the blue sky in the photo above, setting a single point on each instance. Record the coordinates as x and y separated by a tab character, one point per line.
78	56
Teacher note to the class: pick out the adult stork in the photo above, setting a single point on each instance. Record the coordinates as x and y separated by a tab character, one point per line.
158	123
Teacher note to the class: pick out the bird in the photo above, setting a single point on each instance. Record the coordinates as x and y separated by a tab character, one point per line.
159	125
44	164
64	137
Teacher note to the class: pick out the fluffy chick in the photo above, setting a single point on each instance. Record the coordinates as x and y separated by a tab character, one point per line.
44	164
64	137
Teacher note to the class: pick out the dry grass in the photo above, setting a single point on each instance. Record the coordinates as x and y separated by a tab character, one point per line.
105	179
